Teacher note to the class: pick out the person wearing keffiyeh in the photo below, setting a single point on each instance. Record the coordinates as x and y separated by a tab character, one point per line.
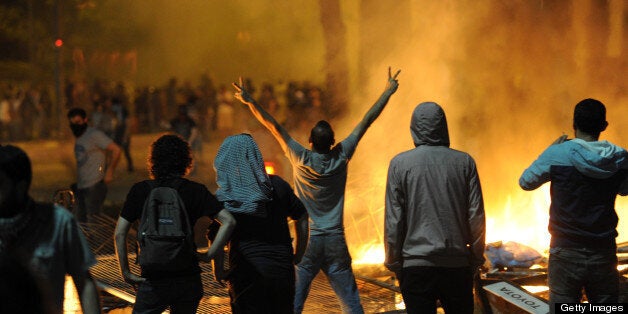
243	184
261	258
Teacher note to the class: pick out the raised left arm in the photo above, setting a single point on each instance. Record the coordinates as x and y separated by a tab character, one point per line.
378	107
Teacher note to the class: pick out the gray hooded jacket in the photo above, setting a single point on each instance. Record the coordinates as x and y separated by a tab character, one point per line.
434	205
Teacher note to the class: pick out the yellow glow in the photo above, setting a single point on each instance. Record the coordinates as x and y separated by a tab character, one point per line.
523	219
71	301
536	289
270	167
370	254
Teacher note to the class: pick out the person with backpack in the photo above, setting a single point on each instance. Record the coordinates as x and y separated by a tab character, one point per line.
167	208
261	258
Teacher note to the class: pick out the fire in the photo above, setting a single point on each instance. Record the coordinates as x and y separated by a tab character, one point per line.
523	219
370	254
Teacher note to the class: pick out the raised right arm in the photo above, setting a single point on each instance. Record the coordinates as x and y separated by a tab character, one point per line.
278	131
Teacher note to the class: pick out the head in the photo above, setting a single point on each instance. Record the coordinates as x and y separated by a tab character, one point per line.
78	121
182	110
589	117
429	125
15	180
170	157
322	137
239	153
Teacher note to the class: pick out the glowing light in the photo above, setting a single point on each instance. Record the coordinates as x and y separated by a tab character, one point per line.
71	302
370	254
270	167
58	42
536	289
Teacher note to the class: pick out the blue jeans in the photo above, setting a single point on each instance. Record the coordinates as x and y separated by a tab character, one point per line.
328	253
181	294
421	286
571	270
90	200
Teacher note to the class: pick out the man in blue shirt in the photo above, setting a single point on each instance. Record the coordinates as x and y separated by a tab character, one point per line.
320	176
586	175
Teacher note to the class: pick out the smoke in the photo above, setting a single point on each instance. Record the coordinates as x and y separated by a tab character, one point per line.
266	40
508	74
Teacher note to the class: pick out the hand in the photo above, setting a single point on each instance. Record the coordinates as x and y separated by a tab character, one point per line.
203	257
561	139
392	84
241	93
133	279
220	275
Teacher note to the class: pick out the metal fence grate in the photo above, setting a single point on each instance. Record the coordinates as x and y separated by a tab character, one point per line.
377	297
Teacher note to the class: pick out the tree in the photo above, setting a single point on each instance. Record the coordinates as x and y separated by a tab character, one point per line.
336	63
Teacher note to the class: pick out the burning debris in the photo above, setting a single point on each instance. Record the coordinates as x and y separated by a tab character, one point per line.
511	254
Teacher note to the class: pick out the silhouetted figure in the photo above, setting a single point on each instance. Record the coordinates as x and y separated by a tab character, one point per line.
180	288
43	236
586	175
434	223
320	176
261	258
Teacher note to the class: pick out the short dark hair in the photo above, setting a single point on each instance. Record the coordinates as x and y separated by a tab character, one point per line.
590	116
322	136
15	164
170	157
77	112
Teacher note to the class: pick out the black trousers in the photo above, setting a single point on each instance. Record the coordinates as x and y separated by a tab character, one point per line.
421	286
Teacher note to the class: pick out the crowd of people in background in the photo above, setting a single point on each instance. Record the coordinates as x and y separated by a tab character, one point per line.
30	112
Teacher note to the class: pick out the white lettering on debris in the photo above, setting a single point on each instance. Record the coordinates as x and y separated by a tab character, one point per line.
518	297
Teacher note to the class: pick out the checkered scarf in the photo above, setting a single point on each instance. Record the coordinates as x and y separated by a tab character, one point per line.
243	184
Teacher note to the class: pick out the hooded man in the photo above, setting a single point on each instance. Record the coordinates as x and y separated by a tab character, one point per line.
434	220
586	175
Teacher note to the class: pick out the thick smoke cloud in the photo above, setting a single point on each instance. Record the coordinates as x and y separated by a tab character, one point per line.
507	73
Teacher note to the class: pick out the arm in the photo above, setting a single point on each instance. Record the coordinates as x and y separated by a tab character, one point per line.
88	292
477	220
539	171
120	234
302	231
394	223
378	107
193	135
227	224
218	265
278	131
114	151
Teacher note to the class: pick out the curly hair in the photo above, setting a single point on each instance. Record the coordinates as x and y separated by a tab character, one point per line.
170	157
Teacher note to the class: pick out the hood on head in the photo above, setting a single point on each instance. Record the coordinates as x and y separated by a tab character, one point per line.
429	125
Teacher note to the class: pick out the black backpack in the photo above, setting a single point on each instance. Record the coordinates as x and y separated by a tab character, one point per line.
164	234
